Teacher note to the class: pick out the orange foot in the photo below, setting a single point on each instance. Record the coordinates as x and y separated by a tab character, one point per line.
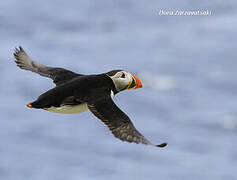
29	105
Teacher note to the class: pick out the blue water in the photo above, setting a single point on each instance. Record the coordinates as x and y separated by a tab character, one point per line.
188	68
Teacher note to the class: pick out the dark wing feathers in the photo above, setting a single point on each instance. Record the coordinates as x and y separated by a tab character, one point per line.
58	75
102	106
117	121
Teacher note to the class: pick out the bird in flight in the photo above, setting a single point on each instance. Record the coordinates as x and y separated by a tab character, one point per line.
76	93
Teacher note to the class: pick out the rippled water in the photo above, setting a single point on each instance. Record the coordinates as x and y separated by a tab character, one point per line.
187	65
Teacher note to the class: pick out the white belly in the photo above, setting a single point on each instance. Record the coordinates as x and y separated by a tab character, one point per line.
67	109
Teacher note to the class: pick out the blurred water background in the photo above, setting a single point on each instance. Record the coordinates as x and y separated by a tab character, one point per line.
188	68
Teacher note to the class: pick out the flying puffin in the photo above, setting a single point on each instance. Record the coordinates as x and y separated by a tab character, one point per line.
76	93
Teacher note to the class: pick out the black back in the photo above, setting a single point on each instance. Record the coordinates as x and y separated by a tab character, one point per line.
77	90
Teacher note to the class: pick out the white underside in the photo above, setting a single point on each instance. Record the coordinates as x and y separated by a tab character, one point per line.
67	109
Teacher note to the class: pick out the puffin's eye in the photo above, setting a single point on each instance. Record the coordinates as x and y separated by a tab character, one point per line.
123	75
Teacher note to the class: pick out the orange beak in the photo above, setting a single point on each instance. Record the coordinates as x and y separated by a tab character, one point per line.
138	82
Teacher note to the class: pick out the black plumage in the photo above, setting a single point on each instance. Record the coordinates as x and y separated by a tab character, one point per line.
79	89
92	91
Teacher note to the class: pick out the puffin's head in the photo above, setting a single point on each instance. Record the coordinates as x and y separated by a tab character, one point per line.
124	80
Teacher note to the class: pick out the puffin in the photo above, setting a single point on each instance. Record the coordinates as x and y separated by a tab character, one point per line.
76	93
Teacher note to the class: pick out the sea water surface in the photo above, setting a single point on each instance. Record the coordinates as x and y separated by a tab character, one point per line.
188	68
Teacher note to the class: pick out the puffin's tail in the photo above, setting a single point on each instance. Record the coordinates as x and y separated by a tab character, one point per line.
36	104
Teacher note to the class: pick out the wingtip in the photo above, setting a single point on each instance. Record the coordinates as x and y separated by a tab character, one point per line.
162	145
19	48
16	52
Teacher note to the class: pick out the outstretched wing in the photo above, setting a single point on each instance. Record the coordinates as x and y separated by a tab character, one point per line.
117	121
58	75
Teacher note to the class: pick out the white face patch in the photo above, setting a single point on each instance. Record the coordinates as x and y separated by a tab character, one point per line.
121	80
112	94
